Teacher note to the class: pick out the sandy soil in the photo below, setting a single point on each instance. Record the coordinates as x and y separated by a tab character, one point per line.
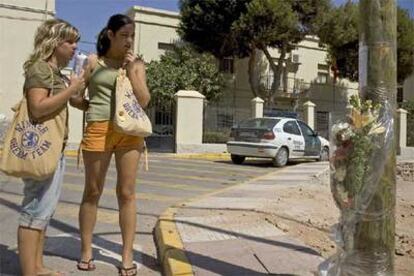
315	212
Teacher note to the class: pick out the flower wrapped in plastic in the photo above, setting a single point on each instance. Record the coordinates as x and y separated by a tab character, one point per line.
360	144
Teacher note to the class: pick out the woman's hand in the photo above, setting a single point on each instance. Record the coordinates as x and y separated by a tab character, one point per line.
77	83
129	60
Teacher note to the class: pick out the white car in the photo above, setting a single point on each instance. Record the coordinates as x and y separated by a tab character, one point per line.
281	139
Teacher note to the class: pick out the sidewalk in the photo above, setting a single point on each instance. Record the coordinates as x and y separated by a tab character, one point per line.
229	233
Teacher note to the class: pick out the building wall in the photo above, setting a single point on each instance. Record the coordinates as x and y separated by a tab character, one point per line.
152	28
18	21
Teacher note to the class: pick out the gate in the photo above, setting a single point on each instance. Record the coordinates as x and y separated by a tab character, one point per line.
162	116
322	123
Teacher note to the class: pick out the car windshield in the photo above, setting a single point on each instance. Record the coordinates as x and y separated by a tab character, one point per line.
259	123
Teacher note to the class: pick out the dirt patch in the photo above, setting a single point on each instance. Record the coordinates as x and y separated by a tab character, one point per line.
308	212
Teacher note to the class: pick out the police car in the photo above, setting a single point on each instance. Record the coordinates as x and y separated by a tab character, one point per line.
281	139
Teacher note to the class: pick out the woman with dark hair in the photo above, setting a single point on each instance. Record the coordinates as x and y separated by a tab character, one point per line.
100	141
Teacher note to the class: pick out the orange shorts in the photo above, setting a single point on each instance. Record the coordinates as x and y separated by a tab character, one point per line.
101	136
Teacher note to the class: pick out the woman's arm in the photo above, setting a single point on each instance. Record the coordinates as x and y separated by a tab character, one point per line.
41	104
79	102
137	76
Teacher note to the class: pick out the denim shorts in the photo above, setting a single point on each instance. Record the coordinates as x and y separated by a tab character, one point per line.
41	198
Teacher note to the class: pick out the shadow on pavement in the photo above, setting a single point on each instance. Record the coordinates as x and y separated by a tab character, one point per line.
67	246
9	261
264	163
291	246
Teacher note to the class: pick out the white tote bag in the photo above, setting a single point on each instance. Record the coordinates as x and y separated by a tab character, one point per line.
130	117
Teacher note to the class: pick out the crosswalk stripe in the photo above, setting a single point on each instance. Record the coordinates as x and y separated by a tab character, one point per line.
211	166
185	169
71	210
112	192
173	186
168	185
180	176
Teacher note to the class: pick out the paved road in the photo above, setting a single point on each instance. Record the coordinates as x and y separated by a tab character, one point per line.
170	180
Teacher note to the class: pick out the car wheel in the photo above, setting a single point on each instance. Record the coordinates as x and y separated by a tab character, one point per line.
324	154
281	157
237	159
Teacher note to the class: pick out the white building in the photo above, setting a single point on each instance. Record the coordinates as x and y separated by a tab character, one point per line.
308	74
18	23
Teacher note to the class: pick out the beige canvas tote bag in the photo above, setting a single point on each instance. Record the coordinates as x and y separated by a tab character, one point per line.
32	149
130	118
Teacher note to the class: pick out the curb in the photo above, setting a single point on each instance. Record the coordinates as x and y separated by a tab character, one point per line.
199	156
170	248
202	156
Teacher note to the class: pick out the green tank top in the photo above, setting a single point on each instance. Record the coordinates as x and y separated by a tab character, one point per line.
101	89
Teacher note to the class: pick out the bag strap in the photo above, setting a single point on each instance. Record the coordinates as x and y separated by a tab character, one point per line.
53	79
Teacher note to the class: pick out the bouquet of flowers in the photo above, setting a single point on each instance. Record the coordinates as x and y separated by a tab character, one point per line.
361	145
355	141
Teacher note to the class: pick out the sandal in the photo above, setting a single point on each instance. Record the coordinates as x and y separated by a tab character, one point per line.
131	271
86	265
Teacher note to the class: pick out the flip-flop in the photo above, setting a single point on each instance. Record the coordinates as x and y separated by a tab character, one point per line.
130	271
86	265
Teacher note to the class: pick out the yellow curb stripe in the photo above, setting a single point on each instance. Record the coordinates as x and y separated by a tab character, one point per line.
169	244
170	247
202	156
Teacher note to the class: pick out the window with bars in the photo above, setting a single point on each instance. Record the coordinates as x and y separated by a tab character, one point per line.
165	46
226	65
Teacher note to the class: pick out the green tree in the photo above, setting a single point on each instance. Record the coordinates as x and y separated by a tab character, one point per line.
240	28
207	25
182	68
339	31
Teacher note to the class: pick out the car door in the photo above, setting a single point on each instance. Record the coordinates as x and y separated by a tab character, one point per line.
312	142
294	139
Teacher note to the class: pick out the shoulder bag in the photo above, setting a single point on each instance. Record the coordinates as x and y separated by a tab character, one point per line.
32	149
130	117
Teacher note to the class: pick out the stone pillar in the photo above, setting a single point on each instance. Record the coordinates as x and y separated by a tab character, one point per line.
402	128
257	107
189	120
309	113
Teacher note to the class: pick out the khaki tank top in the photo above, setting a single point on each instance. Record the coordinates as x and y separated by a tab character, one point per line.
101	89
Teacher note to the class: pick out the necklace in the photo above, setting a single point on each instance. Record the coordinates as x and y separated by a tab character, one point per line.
113	63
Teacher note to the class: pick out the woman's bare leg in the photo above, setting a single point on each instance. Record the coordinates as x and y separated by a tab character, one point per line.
96	166
28	242
127	164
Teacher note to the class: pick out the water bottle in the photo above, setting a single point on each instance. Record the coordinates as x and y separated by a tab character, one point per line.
80	60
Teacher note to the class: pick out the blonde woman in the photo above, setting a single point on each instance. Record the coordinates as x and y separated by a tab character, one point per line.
47	94
101	141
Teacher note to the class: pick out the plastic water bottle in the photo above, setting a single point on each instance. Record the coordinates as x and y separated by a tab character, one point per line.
80	60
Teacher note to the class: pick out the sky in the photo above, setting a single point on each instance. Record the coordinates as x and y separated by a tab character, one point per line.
90	16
